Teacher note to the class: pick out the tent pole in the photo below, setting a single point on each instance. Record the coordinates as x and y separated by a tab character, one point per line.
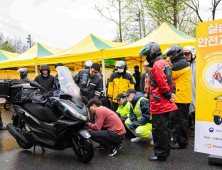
104	77
140	65
36	70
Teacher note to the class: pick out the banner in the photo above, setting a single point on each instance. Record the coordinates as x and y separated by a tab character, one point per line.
208	127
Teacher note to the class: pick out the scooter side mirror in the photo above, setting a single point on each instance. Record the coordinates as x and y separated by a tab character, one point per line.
35	84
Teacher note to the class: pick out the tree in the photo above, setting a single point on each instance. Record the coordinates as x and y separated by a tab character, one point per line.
195	6
115	7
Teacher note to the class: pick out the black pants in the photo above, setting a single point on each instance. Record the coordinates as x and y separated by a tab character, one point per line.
107	138
114	106
161	134
181	124
1	123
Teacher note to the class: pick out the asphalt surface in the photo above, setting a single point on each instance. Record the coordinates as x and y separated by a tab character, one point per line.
131	156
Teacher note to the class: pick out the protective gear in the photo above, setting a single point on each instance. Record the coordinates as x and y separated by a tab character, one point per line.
121	64
142	131
45	75
176	51
181	73
190	50
23	71
93	86
124	109
58	64
88	64
119	83
132	126
46	82
151	50
120	70
161	87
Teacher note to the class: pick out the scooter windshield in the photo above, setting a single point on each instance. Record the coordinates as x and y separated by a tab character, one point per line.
68	86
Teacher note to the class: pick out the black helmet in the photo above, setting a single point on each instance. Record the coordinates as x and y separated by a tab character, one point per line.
58	64
121	64
176	51
151	50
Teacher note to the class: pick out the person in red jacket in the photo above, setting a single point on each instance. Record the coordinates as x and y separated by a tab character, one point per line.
162	90
108	129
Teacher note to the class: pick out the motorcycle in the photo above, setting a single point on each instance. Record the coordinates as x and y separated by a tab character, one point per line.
59	127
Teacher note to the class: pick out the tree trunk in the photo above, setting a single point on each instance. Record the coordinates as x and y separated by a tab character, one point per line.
175	13
120	24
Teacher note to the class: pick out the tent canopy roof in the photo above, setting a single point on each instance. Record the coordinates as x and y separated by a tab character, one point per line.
5	55
165	36
88	49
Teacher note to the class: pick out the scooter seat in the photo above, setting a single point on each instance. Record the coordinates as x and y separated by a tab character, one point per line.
41	113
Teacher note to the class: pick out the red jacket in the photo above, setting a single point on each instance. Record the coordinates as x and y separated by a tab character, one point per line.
161	88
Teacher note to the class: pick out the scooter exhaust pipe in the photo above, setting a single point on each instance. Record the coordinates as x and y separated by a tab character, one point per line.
15	132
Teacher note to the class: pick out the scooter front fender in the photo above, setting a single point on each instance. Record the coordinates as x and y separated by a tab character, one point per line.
82	132
217	113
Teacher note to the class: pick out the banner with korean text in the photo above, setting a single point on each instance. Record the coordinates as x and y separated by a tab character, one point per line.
208	127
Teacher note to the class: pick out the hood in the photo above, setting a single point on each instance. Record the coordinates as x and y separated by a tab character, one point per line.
153	61
45	67
136	98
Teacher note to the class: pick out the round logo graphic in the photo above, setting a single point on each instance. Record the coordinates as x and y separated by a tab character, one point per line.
211	129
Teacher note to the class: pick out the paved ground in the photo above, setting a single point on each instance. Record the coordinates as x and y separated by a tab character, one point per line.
132	156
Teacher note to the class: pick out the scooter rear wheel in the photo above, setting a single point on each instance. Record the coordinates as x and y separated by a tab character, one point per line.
83	148
217	120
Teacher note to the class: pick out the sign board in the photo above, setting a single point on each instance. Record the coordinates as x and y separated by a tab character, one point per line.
208	127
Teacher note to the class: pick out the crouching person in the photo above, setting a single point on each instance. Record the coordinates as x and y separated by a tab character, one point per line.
108	129
139	121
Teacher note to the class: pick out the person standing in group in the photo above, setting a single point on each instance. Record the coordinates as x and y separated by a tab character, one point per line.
119	82
90	81
108	130
162	89
23	74
137	76
145	80
45	79
181	73
190	54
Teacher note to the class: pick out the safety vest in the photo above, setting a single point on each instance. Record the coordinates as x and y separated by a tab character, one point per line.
124	110
137	109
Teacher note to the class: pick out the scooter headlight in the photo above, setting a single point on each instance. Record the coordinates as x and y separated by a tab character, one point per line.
75	113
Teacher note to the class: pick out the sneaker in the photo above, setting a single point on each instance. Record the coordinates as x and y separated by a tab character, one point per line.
138	139
101	148
152	143
119	147
2	128
113	152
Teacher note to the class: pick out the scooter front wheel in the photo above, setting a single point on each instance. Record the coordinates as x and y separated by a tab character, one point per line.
217	120
83	148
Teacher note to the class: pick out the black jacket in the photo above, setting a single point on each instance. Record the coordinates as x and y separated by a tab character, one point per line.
25	78
142	83
93	86
46	82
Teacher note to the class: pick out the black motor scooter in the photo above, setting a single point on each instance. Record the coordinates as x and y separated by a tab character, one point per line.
58	127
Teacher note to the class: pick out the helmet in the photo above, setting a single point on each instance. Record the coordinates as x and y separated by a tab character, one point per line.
88	64
58	64
176	51
121	64
190	49
23	71
151	50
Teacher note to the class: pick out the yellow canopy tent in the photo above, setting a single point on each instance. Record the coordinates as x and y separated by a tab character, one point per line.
165	36
89	48
5	55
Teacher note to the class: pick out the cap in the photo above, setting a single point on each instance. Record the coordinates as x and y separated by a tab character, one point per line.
119	96
129	91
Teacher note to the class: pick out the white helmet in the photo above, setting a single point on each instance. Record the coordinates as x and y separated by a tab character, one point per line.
24	71
190	49
88	64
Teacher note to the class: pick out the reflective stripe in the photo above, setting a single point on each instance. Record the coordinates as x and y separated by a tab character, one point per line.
139	131
92	84
97	93
128	122
138	107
